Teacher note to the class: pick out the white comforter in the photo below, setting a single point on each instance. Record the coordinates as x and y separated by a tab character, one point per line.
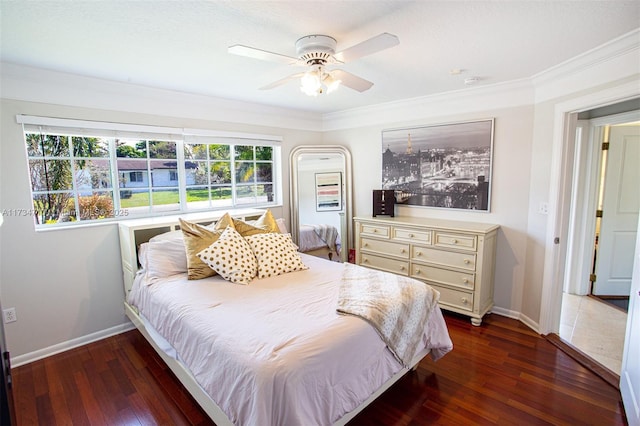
275	352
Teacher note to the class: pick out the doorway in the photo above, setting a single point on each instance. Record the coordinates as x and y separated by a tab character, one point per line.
604	186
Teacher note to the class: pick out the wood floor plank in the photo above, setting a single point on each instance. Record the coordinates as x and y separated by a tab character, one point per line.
501	373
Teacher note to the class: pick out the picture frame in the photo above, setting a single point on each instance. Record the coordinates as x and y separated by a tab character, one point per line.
328	191
440	166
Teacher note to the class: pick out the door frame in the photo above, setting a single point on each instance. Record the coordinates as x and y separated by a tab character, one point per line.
584	200
563	151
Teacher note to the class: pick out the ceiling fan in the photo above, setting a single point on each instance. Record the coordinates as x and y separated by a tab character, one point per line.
316	52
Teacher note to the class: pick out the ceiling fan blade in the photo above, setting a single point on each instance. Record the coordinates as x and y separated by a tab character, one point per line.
351	81
282	81
252	52
367	47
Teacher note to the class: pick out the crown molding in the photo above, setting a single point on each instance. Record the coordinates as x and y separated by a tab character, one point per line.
612	61
482	98
23	83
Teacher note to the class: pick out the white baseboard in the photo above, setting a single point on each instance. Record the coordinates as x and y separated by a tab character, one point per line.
517	315
70	344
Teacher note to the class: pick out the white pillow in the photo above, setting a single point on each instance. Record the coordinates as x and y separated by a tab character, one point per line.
275	253
162	258
282	226
170	235
231	257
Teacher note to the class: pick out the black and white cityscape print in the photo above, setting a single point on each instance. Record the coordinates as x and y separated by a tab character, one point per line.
446	165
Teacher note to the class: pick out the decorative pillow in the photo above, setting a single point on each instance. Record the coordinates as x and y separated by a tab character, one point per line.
282	226
222	223
275	253
231	257
246	229
197	238
267	221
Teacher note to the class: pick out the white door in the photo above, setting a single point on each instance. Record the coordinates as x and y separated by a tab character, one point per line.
614	260
630	371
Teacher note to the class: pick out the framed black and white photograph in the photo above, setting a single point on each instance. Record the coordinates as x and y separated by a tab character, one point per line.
446	165
328	191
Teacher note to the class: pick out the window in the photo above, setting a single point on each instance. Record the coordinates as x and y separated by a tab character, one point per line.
88	171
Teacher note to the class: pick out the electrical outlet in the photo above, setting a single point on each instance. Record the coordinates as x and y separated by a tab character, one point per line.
9	315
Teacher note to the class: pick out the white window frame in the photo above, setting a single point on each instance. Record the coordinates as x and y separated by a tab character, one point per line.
34	124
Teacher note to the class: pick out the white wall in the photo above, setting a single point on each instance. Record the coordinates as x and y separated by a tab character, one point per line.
509	195
66	284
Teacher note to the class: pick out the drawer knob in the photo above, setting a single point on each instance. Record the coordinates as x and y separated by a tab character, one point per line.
365	260
366	244
467	261
410	235
419	253
465	280
375	230
455	241
464	300
402	268
417	271
401	250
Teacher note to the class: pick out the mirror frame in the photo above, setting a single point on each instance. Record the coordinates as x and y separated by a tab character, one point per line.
347	214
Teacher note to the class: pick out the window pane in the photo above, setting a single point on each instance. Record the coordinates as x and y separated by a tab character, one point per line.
264	193
98	205
92	174
162	149
198	197
221	197
166	197
131	148
219	152
264	153
244	172
246	194
244	152
47	145
220	172
132	173
131	198
195	151
49	208
50	175
264	172
161	172
198	174
90	147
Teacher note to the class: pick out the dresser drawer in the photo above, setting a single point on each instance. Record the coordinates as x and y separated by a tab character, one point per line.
445	258
385	247
419	237
459	241
377	230
385	264
458	299
443	276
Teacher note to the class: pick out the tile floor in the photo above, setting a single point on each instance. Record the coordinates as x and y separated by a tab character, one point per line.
595	328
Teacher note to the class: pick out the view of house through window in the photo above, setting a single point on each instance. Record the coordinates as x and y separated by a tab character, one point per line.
92	178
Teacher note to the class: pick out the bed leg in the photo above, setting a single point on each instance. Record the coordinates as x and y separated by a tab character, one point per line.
330	254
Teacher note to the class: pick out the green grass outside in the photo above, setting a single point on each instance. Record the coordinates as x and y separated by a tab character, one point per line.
141	199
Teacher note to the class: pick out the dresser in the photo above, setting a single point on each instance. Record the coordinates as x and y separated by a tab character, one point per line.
456	258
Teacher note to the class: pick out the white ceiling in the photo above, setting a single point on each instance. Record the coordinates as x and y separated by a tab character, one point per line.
182	45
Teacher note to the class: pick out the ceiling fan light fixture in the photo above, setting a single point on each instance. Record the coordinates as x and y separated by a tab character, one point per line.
310	83
331	83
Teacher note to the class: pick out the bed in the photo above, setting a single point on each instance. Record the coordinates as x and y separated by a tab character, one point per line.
272	352
320	240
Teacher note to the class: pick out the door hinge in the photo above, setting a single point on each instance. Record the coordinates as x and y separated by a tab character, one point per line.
605	146
598	213
592	278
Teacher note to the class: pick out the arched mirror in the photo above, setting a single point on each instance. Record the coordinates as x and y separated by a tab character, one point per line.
321	211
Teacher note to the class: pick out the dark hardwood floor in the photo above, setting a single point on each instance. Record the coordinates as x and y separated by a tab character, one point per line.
500	373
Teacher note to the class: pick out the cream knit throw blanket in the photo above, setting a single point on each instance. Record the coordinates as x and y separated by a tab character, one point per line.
396	306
